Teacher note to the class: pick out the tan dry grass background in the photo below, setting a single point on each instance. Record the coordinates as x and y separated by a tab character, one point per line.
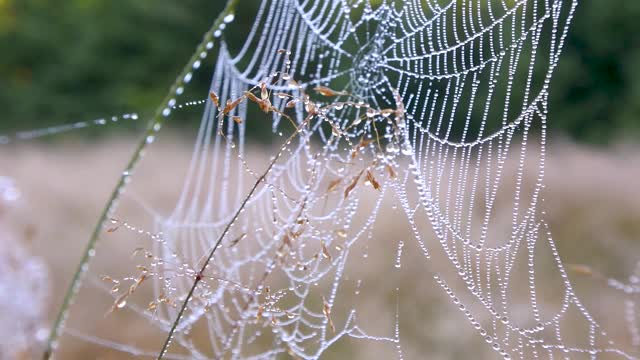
592	201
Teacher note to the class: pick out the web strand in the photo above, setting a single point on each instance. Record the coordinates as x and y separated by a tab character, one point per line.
468	82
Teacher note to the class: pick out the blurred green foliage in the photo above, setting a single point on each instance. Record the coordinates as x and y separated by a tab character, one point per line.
80	59
595	95
71	60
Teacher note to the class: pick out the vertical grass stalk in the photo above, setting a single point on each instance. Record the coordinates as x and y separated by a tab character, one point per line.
154	125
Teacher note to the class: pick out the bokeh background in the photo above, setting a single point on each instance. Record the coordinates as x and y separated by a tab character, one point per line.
64	61
82	59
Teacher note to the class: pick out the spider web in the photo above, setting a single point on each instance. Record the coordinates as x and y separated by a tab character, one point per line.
473	78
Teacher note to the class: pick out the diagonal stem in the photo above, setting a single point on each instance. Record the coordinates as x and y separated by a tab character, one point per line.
153	127
200	275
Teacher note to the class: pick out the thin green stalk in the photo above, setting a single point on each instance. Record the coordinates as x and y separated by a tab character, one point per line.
153	126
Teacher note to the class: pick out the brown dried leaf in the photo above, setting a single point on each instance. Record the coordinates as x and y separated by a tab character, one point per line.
325	91
361	145
311	108
387	112
391	172
325	251
286	240
333	185
139	281
214	98
152	306
109	279
120	302
364	143
251	97
373	180
294	84
326	309
232	105
353	185
581	269
142	278
237	119
297	234
164	300
291	104
265	105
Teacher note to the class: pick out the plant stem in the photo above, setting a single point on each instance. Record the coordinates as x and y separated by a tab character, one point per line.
200	274
153	127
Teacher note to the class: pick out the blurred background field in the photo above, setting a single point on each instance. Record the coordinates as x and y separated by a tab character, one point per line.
80	59
592	202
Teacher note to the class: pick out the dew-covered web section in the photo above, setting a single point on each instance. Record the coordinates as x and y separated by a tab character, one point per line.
424	104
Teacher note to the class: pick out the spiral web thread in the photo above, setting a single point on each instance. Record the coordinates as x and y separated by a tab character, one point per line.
473	79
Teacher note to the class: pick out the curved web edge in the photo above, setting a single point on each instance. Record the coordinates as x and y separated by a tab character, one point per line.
443	168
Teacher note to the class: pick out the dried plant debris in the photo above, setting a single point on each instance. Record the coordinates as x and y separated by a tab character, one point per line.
244	253
214	98
325	91
326	309
353	184
199	288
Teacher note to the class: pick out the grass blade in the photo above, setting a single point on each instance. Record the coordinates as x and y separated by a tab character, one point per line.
154	124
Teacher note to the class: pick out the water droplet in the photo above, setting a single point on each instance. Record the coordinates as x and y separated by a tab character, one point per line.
399	254
122	303
407	149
